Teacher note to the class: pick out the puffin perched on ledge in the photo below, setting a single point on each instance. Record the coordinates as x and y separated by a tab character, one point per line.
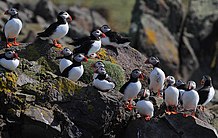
9	60
12	27
58	29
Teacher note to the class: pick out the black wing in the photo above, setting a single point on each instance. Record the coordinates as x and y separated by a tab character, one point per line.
49	31
122	89
80	41
116	37
84	48
203	94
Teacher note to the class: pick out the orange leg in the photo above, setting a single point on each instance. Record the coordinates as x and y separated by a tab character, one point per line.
185	115
8	44
168	111
129	105
15	43
56	44
175	110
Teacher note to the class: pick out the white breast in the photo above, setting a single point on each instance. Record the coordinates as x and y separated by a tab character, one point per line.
132	90
145	108
157	77
171	96
64	63
9	64
190	100
60	31
103	85
210	96
75	73
12	28
96	46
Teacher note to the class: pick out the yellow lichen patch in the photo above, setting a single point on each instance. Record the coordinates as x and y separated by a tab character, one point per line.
8	82
151	36
104	56
67	86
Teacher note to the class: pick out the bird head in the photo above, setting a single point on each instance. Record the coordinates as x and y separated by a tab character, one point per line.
65	16
11	54
11	11
136	73
105	28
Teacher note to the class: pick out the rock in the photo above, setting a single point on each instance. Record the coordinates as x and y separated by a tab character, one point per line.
169	12
47	10
85	20
94	111
152	38
171	126
202	24
8	81
24	79
25	97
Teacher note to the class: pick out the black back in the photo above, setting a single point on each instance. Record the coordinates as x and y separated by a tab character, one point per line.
116	37
204	91
84	48
65	73
122	89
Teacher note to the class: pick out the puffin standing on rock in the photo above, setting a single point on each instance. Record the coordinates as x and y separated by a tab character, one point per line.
112	38
171	95
145	108
75	70
157	76
9	60
97	65
89	45
66	60
12	27
190	99
103	82
206	92
58	29
131	88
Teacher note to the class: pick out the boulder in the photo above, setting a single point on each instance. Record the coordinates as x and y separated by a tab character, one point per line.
47	10
150	37
8	81
170	126
85	20
97	114
169	12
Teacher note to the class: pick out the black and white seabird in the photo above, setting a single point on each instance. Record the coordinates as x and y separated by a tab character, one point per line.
12	27
112	37
206	92
58	29
156	77
132	87
66	59
190	99
97	65
103	82
90	45
75	70
9	60
171	95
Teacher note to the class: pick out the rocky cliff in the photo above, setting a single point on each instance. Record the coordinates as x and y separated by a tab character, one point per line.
36	102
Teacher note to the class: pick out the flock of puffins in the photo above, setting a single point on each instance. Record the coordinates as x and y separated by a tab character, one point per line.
175	93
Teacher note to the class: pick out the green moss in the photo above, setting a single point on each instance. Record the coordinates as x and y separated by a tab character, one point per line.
114	70
8	82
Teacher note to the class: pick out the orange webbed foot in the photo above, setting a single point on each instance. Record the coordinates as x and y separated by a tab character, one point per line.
9	45
147	118
174	112
16	44
58	45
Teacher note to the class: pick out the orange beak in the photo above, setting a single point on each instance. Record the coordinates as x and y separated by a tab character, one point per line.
6	12
141	76
103	35
15	55
147	61
85	59
69	19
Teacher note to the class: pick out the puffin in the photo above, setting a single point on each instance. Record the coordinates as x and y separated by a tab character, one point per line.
96	65
91	44
182	87
206	92
103	82
132	87
66	59
156	77
58	29
145	108
9	60
190	99
112	37
75	70
171	95
12	27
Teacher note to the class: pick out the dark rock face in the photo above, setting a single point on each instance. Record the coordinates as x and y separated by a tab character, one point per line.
170	126
97	114
150	37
